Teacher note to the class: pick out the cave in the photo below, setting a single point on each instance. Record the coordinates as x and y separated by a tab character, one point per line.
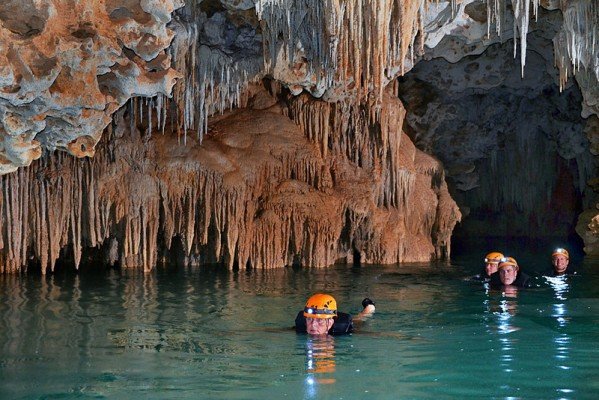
272	133
515	147
302	199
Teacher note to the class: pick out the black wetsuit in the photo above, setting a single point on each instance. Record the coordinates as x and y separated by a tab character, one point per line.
569	271
522	280
482	277
342	325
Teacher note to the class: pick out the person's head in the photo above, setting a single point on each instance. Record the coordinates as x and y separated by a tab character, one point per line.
319	311
508	270
492	262
560	259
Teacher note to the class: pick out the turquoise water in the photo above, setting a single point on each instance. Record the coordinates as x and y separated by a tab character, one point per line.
204	334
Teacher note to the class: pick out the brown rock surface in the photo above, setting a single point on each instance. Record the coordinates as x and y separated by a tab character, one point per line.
255	193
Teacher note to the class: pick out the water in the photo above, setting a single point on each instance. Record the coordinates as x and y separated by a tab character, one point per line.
204	334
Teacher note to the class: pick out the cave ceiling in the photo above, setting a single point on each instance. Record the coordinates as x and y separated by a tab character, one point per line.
68	66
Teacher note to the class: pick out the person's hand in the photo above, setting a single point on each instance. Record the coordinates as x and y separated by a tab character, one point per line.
369	309
368	305
366	302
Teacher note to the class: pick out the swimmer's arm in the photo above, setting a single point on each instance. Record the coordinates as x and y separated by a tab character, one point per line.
367	312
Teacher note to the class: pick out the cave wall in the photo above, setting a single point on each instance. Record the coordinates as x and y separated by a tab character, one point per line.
70	65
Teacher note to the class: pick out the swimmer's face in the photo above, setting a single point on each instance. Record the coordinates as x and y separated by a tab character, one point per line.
508	274
318	326
560	263
491	268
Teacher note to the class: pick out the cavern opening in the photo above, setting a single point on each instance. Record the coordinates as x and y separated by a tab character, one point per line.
515	149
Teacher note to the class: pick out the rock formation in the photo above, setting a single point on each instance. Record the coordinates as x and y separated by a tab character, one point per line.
260	191
221	168
66	66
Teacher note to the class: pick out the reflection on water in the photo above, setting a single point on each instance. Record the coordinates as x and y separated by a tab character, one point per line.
320	364
201	333
560	286
320	355
505	317
501	308
561	314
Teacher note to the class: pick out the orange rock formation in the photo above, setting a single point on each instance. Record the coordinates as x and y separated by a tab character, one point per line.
260	191
307	181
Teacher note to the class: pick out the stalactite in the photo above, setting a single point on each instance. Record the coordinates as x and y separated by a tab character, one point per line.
346	43
363	135
212	82
373	140
215	213
496	14
350	46
577	43
284	206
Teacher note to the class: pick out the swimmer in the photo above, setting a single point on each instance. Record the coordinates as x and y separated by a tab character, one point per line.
509	274
320	316
491	265
560	261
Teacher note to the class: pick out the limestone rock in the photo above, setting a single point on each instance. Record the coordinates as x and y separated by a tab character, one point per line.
257	192
67	66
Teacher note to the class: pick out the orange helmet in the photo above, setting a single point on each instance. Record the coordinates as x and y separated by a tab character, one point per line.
560	252
320	306
508	261
493	257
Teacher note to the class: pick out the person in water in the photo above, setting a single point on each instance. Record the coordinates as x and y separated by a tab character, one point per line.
560	261
491	266
509	274
320	316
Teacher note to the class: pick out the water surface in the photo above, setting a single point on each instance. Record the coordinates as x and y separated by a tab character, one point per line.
205	334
